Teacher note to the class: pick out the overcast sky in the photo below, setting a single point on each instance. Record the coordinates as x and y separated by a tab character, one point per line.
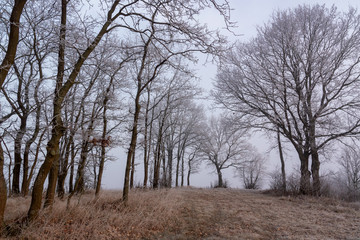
248	15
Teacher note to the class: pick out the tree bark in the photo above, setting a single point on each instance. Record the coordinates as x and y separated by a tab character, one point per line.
72	166
282	160
17	155
131	148
64	169
3	190
182	168
220	180
305	187
103	152
132	173
5	66
315	168
26	185
50	193
188	173
13	41
170	164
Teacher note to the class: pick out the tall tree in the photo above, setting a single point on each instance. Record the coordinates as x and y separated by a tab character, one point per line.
299	75
59	83
222	146
5	66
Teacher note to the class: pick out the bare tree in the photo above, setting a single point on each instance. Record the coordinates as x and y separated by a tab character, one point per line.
350	170
252	169
5	66
222	146
299	75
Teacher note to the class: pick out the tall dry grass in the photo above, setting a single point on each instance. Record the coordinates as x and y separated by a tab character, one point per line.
147	213
188	213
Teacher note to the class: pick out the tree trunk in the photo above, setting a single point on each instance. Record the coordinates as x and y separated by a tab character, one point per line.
315	168
4	69
188	173
25	184
13	41
220	180
52	151
17	156
64	169
157	163
25	188
72	166
132	173
164	167
80	181
178	158
3	190
50	192
282	160
131	148
146	157
305	186
182	168
170	164
103	152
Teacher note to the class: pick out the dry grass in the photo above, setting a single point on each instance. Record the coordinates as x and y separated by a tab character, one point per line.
192	214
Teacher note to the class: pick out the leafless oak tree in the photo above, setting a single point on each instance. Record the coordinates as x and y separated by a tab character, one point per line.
299	75
222	146
5	66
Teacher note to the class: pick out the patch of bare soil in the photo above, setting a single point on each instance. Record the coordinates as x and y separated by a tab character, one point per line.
190	213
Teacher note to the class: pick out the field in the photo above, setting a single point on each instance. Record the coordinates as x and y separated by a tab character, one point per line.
190	213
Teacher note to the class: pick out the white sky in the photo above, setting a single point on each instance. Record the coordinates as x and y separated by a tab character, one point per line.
248	14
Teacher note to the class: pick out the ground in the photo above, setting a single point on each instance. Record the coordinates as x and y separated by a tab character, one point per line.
191	213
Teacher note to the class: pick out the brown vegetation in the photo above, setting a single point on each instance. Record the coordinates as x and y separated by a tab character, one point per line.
189	213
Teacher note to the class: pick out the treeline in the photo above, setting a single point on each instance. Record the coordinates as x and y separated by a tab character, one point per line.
90	76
